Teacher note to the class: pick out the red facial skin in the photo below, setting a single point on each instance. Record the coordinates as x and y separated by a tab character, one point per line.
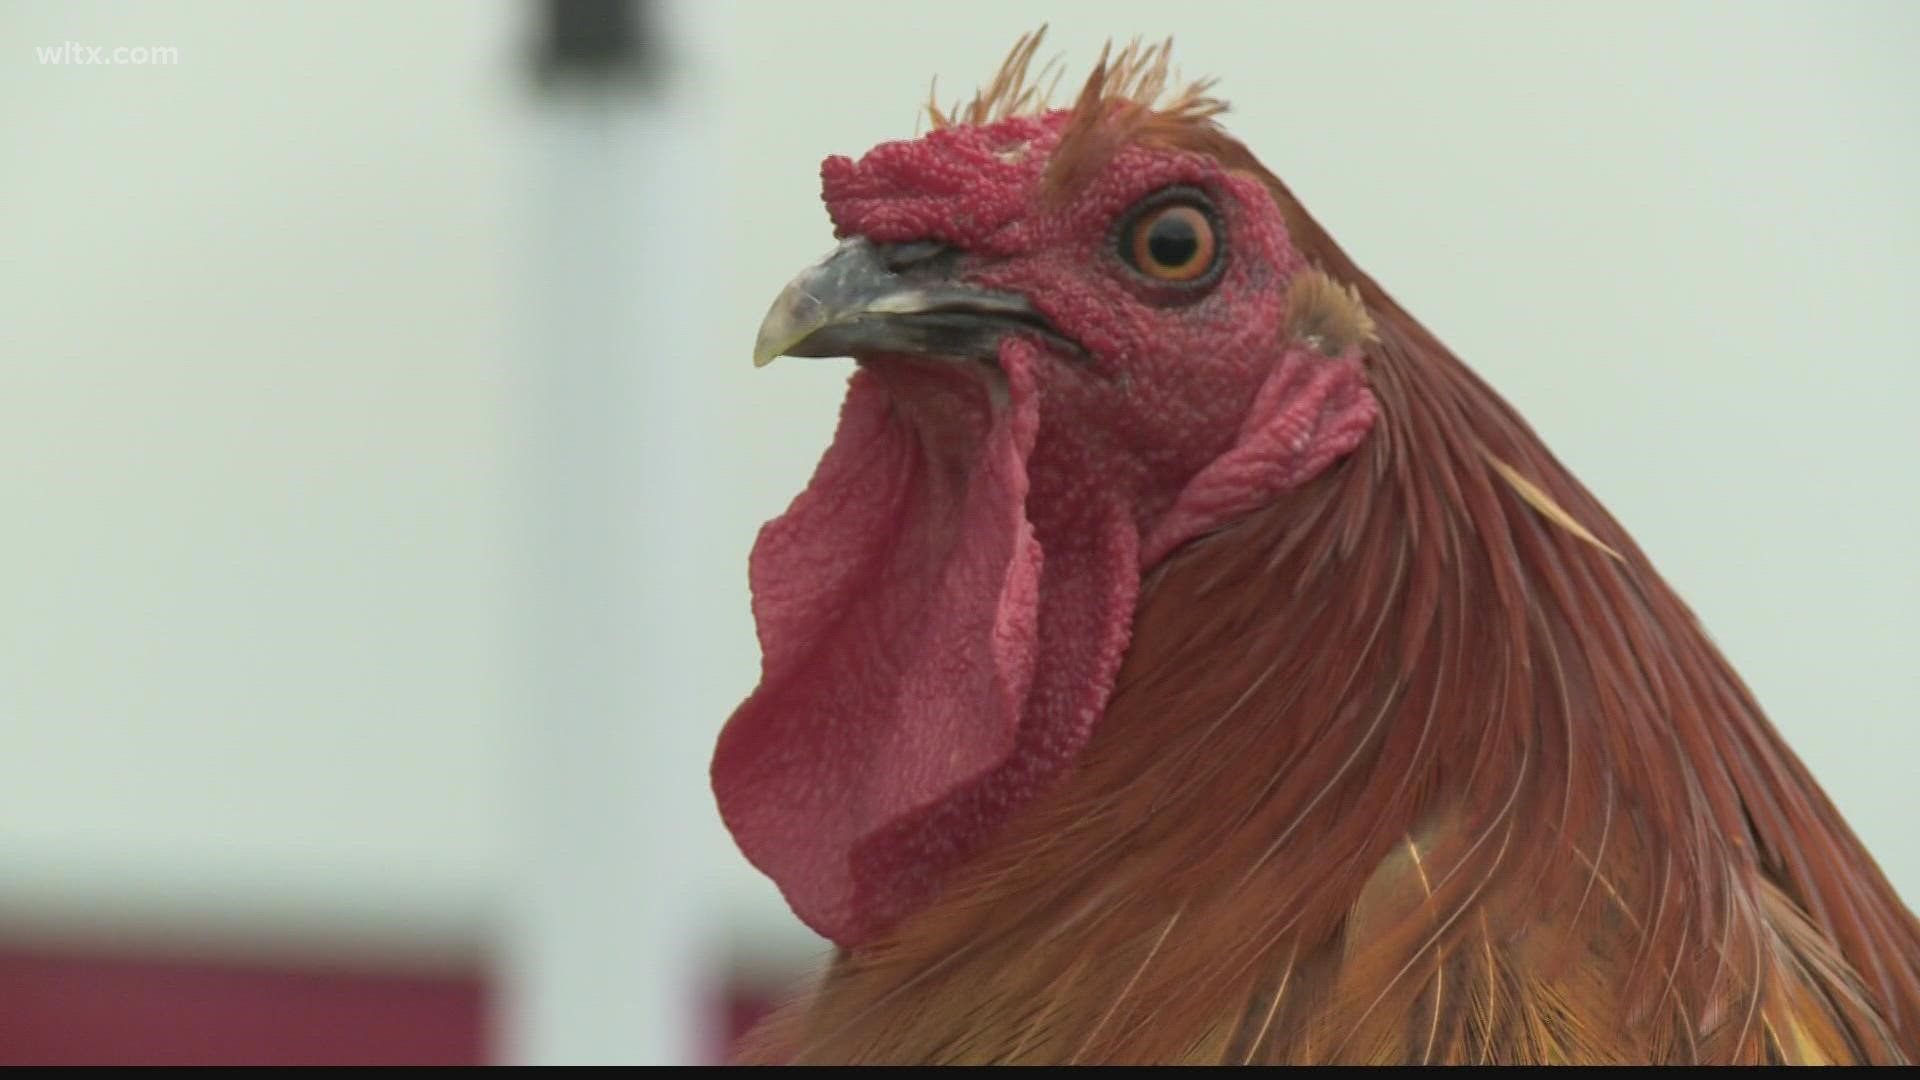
944	609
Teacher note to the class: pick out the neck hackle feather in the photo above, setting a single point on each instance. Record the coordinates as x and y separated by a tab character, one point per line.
1424	763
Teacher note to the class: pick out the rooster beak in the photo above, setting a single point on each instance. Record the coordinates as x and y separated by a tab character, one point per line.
865	298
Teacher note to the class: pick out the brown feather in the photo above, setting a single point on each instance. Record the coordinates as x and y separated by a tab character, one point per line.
1423	763
1326	314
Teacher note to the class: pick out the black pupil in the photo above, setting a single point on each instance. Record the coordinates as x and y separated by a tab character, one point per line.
1172	241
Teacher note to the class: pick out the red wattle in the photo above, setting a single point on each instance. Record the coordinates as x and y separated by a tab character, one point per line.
899	604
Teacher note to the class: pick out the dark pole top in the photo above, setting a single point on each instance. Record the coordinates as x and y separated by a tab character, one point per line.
596	40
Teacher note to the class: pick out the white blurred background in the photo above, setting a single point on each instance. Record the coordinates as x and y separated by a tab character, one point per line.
379	451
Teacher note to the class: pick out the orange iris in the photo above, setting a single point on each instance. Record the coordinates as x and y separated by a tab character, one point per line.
1173	243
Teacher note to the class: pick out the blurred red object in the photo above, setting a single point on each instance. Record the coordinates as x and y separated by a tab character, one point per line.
75	1008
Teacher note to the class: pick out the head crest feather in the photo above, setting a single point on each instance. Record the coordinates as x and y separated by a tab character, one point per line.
1129	95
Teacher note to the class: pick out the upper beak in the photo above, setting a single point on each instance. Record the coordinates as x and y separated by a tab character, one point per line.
865	298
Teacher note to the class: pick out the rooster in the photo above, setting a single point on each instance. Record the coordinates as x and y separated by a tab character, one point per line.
1179	656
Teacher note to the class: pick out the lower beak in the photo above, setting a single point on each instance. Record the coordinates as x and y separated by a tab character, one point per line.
864	299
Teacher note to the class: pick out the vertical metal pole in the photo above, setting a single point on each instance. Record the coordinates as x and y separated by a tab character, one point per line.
603	961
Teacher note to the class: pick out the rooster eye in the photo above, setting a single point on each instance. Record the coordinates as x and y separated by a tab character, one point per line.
1173	242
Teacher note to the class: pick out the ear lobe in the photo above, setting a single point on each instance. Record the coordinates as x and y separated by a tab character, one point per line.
1310	411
